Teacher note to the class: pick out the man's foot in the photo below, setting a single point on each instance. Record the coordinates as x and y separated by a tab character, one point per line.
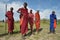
9	33
54	33
32	35
23	37
36	33
49	32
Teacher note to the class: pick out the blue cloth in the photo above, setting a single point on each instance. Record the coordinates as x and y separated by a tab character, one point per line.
52	17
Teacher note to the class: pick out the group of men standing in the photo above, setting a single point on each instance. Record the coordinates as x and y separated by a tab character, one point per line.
26	18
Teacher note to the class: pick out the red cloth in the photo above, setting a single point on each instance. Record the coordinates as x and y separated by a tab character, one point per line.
31	20
37	21
24	25
54	23
9	15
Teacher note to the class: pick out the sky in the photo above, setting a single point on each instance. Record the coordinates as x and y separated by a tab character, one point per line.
44	6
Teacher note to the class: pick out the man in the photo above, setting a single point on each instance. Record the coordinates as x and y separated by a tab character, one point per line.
31	20
37	21
53	21
24	18
9	15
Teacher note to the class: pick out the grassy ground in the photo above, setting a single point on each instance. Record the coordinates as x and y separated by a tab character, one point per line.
43	34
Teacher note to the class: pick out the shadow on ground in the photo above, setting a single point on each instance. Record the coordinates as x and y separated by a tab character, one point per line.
19	32
34	31
7	33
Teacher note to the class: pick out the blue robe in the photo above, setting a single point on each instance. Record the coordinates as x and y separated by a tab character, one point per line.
52	17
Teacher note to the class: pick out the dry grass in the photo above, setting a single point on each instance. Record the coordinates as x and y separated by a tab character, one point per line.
43	34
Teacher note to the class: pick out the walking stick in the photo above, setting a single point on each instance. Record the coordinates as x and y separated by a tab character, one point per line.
5	16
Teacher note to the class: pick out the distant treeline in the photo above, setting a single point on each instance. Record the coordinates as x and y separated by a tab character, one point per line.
42	20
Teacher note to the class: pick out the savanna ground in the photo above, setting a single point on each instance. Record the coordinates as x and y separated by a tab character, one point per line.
43	33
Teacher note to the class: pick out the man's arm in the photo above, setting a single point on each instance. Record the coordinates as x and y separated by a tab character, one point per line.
56	19
19	10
